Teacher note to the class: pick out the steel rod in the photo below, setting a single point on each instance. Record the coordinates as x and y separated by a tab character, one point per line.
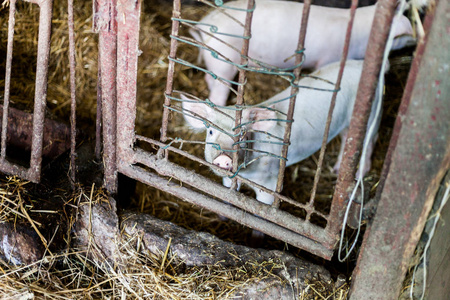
294	90
9	52
40	96
176	14
372	63
333	102
240	90
73	102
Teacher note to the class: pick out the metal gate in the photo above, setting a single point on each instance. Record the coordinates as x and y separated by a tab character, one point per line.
117	22
156	169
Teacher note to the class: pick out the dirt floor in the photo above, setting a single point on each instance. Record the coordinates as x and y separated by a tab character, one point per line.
53	202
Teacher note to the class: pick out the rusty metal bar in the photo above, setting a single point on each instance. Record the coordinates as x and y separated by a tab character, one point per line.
73	101
242	79
294	90
419	157
9	52
333	102
40	97
227	211
374	55
129	12
98	119
105	23
176	14
249	204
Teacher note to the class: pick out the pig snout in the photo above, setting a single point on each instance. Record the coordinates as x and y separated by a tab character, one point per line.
223	161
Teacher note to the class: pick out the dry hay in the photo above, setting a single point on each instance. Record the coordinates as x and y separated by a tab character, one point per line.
70	273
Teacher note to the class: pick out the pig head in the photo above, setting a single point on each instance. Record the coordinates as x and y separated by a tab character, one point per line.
259	137
256	149
274	37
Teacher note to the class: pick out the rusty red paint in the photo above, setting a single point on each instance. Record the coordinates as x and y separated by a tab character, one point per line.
105	23
128	51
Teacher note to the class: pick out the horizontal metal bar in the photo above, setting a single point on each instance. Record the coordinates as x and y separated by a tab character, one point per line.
14	169
226	210
249	204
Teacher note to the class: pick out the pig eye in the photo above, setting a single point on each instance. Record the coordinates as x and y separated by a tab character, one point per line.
210	132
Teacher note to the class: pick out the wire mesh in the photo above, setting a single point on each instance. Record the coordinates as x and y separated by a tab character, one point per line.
238	146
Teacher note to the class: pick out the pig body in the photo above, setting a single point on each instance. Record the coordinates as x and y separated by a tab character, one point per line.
310	114
274	38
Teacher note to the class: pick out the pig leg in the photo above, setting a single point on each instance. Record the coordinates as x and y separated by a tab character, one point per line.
343	136
270	183
219	89
227	182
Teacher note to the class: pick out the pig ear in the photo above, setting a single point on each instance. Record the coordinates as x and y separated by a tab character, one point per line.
197	110
257	115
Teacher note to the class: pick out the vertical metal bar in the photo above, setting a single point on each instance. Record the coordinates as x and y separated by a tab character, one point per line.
374	55
176	14
9	51
98	119
332	104
105	23
40	97
73	103
127	59
96	26
420	157
294	90
240	94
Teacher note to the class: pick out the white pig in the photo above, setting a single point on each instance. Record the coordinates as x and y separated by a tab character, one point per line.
310	114
274	37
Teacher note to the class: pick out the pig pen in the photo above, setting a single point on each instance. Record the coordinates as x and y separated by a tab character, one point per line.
181	281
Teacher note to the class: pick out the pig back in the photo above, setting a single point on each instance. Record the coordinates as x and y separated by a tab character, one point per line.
311	108
275	31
